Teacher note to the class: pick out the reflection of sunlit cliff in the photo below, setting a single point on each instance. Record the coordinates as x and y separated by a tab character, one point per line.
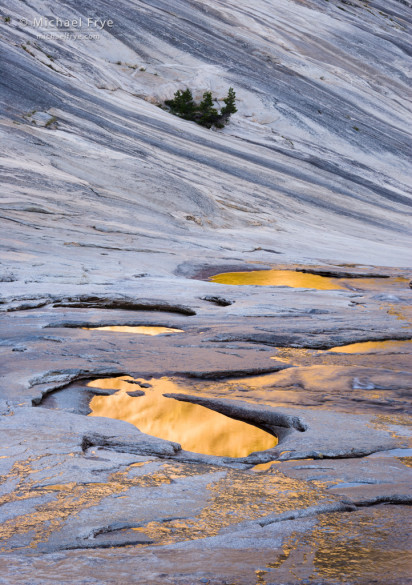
195	427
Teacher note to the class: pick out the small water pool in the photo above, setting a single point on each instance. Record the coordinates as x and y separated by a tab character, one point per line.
195	427
298	279
290	278
391	345
140	329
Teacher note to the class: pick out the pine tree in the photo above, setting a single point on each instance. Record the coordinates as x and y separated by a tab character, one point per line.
204	113
230	107
182	104
187	104
208	114
172	103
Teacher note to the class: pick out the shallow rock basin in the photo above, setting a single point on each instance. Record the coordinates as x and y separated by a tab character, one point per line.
195	427
290	278
140	329
300	279
391	345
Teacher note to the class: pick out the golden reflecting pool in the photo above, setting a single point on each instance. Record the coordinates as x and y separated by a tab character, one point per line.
374	346
290	278
141	329
195	427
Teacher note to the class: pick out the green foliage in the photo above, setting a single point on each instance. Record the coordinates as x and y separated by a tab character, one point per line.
208	114
207	103
204	113
230	101
182	105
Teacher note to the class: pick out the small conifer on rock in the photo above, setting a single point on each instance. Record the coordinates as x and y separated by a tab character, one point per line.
230	101
208	114
204	113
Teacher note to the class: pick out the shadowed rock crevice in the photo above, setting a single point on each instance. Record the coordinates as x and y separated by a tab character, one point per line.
395	500
341	273
168	448
125	304
343	506
262	417
94	302
219	301
92	325
111	543
310	341
53	381
226	374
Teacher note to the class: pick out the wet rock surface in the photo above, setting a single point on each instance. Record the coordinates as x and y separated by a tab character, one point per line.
92	493
95	495
116	213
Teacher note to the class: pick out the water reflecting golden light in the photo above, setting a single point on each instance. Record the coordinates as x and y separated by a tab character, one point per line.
262	467
141	329
195	427
394	282
374	346
290	278
359	547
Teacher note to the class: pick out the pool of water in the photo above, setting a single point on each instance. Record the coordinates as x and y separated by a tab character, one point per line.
290	278
195	427
391	345
296	279
141	329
